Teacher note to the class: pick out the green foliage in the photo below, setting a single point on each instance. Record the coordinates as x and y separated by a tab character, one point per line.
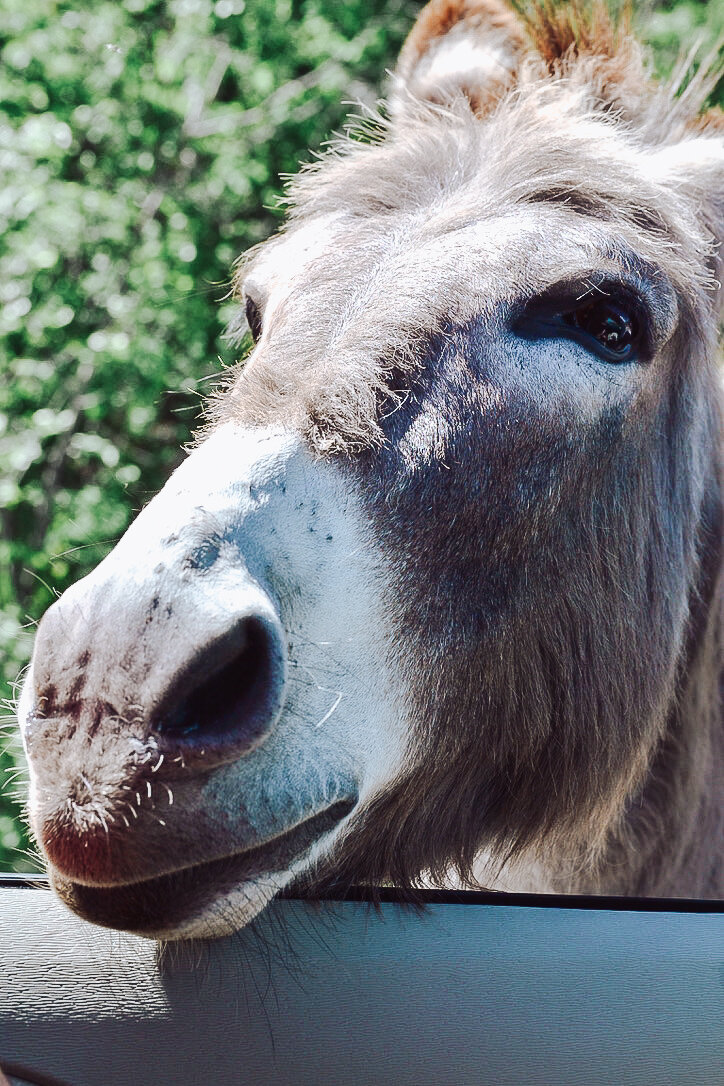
141	148
671	27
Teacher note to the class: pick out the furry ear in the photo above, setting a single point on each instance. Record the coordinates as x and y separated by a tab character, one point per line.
469	47
696	166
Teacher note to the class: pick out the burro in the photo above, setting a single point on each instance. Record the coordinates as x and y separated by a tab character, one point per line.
436	598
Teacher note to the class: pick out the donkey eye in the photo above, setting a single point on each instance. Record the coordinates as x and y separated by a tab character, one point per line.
253	318
613	326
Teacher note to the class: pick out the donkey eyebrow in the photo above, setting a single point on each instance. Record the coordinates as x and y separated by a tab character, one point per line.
600	205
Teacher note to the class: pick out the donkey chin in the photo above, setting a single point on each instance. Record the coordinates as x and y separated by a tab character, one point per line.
191	750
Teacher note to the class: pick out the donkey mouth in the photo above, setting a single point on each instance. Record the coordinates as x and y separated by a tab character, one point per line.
159	907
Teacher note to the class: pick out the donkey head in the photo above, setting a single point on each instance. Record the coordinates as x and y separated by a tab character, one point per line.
435	594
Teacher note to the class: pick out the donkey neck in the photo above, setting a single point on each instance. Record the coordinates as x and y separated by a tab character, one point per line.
669	843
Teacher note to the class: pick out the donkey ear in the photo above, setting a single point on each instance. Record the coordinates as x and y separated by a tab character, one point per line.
694	168
468	47
703	173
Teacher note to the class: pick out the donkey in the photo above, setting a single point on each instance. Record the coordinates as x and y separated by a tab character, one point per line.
437	596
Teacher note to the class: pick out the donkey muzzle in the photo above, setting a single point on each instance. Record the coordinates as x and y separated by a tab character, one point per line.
205	679
179	663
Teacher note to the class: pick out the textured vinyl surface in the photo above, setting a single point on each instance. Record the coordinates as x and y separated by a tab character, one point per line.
343	995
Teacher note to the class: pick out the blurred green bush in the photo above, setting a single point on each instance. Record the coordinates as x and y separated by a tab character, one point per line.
141	148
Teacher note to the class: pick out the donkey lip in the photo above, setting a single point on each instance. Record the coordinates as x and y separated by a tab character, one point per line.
158	905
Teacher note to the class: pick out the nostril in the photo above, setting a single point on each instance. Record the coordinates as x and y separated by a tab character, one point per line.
226	698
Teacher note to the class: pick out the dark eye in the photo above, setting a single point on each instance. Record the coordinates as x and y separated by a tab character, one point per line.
253	318
608	324
613	326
